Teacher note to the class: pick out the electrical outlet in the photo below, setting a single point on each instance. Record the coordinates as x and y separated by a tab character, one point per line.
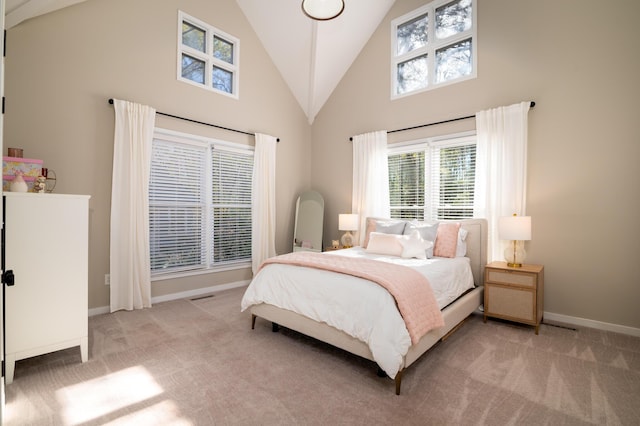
107	279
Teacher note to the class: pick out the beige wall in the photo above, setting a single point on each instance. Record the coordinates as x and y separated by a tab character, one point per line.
580	62
61	69
576	58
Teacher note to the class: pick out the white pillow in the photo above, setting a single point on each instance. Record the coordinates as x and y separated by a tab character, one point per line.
381	243
428	232
461	248
413	246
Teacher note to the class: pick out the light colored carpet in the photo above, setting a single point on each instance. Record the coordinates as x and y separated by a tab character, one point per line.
199	363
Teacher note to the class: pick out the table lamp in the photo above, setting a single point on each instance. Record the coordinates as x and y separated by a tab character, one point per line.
347	222
517	229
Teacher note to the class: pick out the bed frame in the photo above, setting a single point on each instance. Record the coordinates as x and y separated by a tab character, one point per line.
453	315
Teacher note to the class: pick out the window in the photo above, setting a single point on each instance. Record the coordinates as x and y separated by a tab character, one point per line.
433	179
433	46
207	57
199	204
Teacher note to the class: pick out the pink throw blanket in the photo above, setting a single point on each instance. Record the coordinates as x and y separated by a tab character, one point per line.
411	289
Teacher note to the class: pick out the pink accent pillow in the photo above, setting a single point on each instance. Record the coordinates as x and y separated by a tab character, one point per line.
446	239
370	227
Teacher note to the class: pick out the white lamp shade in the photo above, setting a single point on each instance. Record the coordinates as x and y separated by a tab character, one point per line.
322	10
516	228
348	222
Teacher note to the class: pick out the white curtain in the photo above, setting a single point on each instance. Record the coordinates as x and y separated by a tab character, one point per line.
129	253
501	168
370	178
263	211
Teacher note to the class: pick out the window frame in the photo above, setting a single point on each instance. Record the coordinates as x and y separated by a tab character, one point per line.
432	46
208	57
429	146
207	227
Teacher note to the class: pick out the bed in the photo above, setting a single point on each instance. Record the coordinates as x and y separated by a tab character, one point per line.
278	293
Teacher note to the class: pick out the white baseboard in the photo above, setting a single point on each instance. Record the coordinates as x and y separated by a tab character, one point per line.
181	295
599	325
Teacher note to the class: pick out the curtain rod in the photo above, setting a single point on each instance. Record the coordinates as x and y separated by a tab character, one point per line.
202	122
438	122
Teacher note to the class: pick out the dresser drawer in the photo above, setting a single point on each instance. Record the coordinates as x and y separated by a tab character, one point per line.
511	278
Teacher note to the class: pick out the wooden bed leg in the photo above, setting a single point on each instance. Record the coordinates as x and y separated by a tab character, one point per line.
253	322
275	327
398	382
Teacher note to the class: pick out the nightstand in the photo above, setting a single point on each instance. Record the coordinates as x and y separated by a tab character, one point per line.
514	294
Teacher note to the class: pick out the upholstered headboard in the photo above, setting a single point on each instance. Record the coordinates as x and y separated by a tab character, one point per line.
476	244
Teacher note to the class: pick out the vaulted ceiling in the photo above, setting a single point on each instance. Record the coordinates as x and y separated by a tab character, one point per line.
312	56
16	11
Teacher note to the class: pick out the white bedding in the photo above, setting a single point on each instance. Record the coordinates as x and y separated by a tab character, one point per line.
354	305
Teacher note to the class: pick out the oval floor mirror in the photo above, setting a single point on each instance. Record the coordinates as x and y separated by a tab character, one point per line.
307	231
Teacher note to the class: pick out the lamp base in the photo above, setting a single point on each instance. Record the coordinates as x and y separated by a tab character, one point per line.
347	240
514	254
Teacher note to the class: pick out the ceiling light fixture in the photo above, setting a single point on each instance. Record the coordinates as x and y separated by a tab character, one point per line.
322	10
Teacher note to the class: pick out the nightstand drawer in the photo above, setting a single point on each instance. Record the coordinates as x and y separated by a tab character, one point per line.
510	303
511	278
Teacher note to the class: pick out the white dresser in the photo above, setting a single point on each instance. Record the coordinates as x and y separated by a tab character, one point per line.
46	247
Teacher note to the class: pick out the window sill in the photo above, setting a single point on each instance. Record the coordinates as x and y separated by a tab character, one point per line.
213	270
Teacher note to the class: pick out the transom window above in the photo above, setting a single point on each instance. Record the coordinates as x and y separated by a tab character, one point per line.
207	57
433	46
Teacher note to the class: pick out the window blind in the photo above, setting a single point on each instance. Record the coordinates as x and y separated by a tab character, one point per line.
407	184
433	180
452	180
176	206
231	206
199	206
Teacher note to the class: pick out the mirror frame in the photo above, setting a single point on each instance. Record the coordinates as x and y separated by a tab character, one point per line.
314	197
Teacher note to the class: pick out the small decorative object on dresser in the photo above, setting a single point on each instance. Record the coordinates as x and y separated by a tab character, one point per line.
18	184
40	184
15	152
27	168
51	179
514	294
335	244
